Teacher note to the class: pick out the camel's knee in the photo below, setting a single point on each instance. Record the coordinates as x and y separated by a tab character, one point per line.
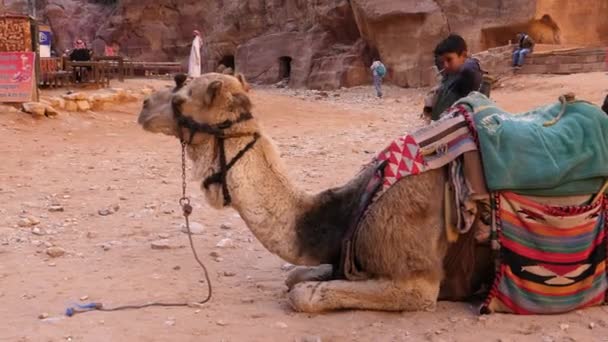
304	274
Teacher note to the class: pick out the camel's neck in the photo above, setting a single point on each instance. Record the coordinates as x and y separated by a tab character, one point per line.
271	206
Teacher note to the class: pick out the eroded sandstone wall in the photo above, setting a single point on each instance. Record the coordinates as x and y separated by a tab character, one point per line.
329	43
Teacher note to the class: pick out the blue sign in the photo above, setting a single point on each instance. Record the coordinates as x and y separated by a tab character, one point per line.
44	37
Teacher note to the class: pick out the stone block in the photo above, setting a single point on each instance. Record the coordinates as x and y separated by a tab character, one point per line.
34	108
71	106
83	105
57	102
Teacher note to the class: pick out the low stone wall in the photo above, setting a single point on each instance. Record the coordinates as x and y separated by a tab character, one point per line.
496	61
566	61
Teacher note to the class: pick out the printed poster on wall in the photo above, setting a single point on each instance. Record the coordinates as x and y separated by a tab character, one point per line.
44	40
17	76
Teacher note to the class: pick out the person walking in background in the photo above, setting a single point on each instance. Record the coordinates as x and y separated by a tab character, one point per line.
194	64
524	47
378	73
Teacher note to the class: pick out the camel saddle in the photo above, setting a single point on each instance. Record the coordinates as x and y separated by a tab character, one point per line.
556	150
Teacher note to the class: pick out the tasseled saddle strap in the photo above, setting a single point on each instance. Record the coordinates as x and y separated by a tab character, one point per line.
220	176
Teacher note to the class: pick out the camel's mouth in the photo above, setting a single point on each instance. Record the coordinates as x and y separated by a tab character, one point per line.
156	115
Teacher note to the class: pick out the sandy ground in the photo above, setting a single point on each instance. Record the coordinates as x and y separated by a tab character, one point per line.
89	162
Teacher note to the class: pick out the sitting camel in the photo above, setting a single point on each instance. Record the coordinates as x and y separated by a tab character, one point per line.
401	246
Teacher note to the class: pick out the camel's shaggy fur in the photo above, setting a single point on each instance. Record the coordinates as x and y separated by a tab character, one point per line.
402	243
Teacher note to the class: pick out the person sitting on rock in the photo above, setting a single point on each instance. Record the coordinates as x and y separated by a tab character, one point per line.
460	76
524	47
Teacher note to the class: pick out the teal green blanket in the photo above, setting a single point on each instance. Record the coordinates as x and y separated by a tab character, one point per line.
521	155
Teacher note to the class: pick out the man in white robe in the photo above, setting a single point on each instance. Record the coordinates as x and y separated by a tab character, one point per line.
194	64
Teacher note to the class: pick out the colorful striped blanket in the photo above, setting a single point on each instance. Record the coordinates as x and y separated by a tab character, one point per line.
552	258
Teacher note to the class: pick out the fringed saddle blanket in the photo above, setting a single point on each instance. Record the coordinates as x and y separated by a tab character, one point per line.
427	149
552	258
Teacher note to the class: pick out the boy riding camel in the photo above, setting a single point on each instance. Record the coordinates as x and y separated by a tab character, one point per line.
461	75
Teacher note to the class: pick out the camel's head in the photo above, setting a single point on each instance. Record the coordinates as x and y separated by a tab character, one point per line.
209	99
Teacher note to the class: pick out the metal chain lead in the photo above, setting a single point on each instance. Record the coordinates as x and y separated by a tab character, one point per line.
184	202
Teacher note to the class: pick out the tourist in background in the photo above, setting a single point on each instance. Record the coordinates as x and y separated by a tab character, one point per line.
194	64
525	45
378	73
80	54
109	50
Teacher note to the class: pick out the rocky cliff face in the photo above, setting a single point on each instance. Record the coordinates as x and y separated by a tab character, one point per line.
319	43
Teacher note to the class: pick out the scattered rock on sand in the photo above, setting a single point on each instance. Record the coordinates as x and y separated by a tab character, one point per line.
281	325
195	228
37	231
225	243
221	323
29	221
225	226
309	338
229	274
56	208
55	252
109	211
161	244
43	315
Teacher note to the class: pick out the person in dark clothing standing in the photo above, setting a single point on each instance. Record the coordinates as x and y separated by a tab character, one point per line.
461	75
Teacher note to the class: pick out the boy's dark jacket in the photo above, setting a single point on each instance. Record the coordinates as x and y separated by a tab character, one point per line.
458	85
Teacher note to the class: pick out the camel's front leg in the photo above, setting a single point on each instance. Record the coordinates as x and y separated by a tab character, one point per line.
304	274
416	294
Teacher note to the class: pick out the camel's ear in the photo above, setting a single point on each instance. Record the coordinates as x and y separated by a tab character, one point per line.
213	90
243	81
180	80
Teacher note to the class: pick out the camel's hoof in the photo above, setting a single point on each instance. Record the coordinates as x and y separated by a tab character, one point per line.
305	297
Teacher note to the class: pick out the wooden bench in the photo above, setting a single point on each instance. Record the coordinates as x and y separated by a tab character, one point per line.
115	66
135	68
53	74
97	73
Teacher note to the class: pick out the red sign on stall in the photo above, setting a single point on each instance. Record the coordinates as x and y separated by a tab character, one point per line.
17	76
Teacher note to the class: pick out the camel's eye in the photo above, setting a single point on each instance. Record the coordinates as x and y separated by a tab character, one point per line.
190	92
